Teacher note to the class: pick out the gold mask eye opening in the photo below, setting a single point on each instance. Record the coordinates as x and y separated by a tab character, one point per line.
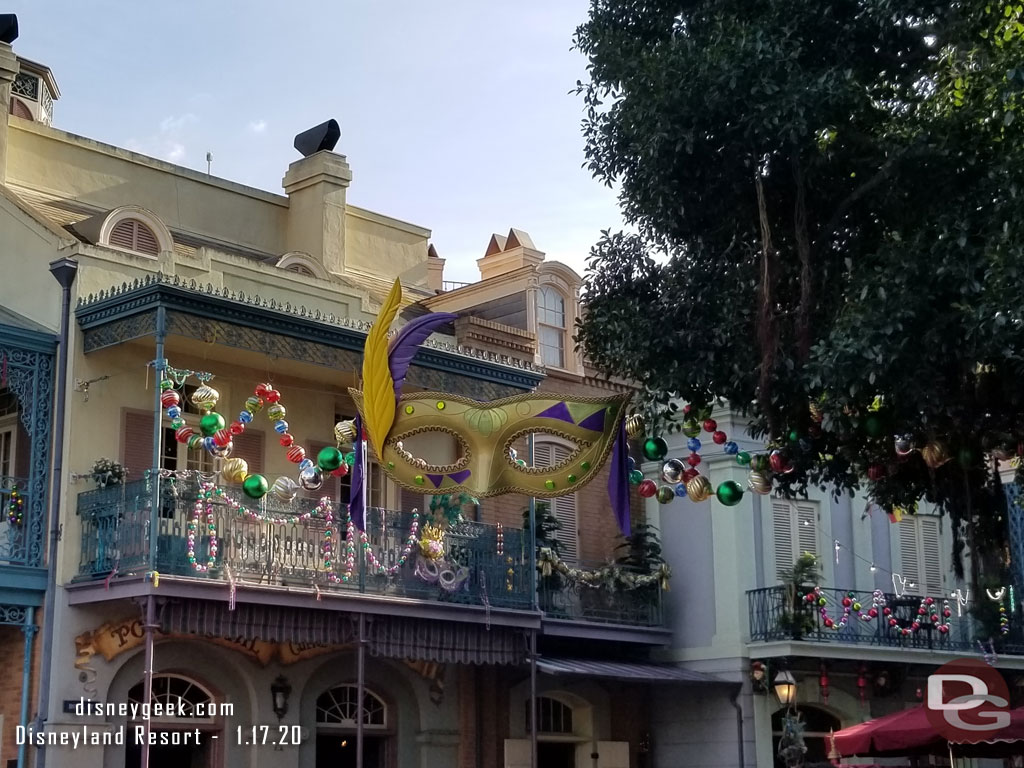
421	447
551	451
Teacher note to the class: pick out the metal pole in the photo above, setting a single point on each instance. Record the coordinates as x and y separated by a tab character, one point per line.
533	699
360	689
29	628
64	271
160	368
533	533
147	674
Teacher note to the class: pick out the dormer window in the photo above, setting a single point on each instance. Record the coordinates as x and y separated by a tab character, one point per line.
133	235
551	326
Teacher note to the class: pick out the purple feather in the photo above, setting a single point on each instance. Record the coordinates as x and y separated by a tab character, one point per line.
407	342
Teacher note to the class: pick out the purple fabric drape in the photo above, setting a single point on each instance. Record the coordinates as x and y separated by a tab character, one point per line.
618	481
355	499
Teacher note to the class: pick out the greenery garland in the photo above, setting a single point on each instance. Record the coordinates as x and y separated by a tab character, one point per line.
612	577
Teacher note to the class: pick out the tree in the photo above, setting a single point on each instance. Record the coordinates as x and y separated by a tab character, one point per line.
827	203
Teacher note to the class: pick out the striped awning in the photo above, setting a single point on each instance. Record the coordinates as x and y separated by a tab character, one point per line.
618	670
392	637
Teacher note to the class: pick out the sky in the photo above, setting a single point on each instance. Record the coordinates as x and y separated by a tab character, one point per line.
456	115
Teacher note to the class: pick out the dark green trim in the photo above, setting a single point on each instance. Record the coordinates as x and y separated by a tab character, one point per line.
133	308
26	339
22	586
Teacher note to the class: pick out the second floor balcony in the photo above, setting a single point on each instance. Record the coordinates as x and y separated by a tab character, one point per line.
225	540
911	622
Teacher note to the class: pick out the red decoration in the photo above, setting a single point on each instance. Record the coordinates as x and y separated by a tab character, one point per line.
710	425
719	437
222	437
272	396
693	459
286	440
236	428
182	434
778	462
169	398
689	474
823	682
262	389
296	454
647	488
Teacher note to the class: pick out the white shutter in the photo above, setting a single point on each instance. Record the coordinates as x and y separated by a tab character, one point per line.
518	751
807	527
921	555
794	531
562	507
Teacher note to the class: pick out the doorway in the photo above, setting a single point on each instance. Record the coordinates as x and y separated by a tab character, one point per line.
556	754
169	756
338	750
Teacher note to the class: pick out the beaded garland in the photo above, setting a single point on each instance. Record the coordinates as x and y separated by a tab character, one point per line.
850	605
15	505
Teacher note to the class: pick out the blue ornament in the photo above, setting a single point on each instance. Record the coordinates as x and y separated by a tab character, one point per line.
731	448
173	412
693	444
306	464
631	462
681	490
208	444
245	417
280	426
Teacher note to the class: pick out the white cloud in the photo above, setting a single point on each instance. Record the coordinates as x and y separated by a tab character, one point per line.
169	141
258	126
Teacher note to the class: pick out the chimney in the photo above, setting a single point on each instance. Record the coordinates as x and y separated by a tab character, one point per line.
316	187
507	254
435	270
9	68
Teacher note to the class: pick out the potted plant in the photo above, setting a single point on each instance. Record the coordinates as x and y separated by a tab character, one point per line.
108	472
550	582
804	576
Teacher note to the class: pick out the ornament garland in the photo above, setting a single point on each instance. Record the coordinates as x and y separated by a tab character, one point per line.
607	576
15	507
850	605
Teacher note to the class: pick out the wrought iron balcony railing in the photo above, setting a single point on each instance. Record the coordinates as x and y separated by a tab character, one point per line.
116	523
612	601
775	615
15	522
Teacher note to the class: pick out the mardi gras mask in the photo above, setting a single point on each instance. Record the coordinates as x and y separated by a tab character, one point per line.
484	432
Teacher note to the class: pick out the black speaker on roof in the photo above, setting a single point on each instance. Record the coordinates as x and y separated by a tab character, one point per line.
8	27
322	137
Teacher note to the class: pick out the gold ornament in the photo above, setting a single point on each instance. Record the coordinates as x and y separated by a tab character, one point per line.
634	426
699	488
816	412
759	483
345	432
432	542
284	488
935	454
234	470
205	398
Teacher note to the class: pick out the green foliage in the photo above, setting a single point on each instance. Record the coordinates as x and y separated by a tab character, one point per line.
547	527
797	581
827	202
641	549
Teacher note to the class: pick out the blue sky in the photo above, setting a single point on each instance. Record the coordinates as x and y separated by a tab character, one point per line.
455	115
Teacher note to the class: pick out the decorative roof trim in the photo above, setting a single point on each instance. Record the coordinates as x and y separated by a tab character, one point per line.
173	292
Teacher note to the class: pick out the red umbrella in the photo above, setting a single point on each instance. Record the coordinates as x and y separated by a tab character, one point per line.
909	732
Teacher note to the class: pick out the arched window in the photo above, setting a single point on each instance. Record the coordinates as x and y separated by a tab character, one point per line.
817	727
553	716
551	326
548	453
337	707
177	694
301	269
133	235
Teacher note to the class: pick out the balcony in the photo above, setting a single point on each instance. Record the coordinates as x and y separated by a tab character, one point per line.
289	551
611	603
15	516
773	619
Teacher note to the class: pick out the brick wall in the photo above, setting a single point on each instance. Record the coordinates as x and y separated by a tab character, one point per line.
12	649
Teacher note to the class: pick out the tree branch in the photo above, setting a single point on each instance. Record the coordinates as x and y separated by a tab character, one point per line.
803	250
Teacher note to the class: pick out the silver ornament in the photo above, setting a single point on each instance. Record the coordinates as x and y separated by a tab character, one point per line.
903	444
512	454
311	478
672	471
222	451
284	488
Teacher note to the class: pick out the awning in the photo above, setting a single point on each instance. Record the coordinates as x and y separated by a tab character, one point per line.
617	670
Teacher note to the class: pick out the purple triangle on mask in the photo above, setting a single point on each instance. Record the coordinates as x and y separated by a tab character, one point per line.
436	480
558	411
594	421
461	476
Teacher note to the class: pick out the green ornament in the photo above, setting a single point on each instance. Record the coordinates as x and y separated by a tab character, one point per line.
793	435
255	486
211	423
636	477
691	428
874	425
350	458
759	462
177	423
665	494
166	384
549	484
418	479
729	493
743	458
572	478
195	442
329	459
655	448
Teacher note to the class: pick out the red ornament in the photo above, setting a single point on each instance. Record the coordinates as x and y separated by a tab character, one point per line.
340	471
297	453
778	462
829	623
286	439
916	625
893	622
873	613
686	409
929	600
935	618
921	611
236	428
183	434
947	613
876	472
710	425
886	611
262	389
169	398
222	437
847	602
689	474
719	437
272	396
943	628
647	488
693	459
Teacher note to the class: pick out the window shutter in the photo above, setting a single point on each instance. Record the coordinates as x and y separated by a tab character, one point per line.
931	555
910	562
137	443
411	500
794	531
133	235
562	507
249	446
807	528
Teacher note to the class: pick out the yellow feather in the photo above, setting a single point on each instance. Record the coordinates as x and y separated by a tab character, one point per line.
378	387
